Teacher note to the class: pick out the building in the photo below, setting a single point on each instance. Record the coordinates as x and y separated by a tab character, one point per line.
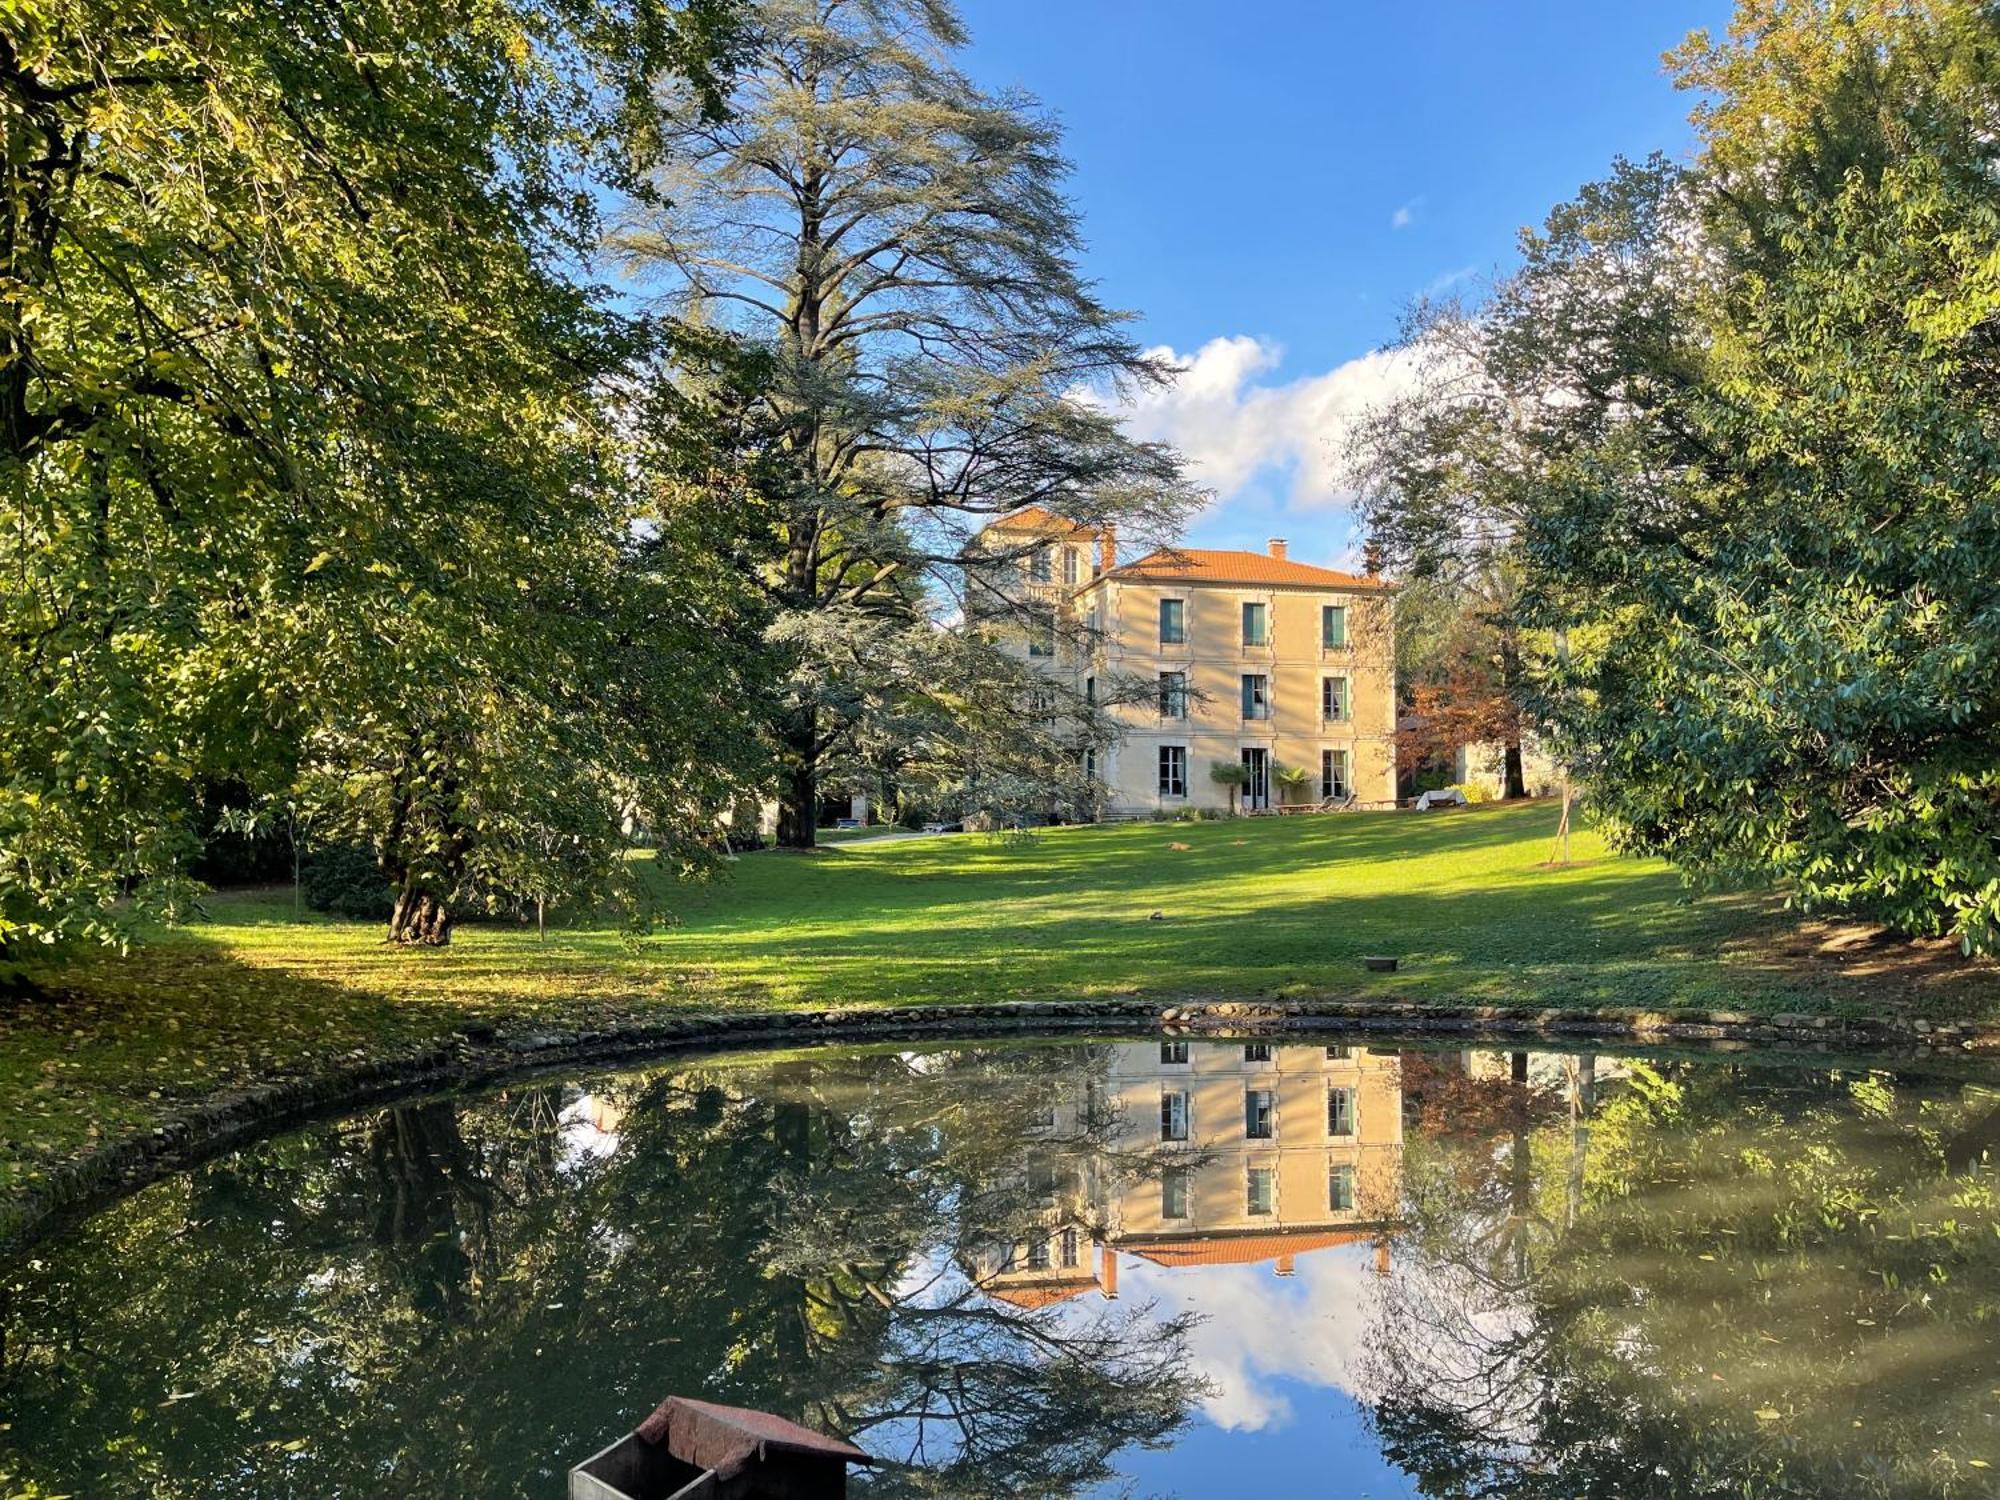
1212	657
1193	1153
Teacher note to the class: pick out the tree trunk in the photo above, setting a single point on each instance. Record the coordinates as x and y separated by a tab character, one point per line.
798	801
420	919
1510	684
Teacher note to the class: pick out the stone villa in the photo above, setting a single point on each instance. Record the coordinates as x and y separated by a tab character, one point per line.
1207	656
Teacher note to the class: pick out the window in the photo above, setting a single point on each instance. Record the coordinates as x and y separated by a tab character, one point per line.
1333	704
1069	1247
1340	1111
1340	1188
1173	1114
1042	638
1332	773
1260	1114
1173	622
1038	565
1173	770
1256	1051
1173	695
1173	1053
1259	1189
1043	1118
1339	1054
1333	625
1256	625
1038	1255
1041	1178
1089	764
1090	690
1174	1193
1090	620
1069	565
1256	696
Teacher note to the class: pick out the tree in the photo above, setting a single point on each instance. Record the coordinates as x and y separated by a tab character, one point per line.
1231	774
300	416
900	241
1742	415
1443	488
1460	675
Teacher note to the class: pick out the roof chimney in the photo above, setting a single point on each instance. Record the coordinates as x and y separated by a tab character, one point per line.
1278	548
1107	547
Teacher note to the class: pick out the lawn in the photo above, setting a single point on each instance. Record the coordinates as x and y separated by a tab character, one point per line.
1244	908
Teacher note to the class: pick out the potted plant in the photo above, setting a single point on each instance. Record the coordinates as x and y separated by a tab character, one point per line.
1293	783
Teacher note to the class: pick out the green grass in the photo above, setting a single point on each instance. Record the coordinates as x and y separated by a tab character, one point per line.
1247	908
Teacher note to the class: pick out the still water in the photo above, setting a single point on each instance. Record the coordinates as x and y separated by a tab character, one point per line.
1147	1267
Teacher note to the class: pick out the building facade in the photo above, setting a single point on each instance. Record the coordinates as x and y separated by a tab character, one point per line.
1205	658
1192	1153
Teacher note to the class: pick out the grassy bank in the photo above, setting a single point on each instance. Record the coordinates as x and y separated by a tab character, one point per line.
1247	908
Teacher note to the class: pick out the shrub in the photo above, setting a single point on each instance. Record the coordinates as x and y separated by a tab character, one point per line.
345	880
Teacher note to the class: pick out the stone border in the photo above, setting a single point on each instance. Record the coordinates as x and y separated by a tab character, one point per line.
478	1055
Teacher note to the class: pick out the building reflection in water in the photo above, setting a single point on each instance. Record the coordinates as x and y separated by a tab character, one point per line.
1189	1153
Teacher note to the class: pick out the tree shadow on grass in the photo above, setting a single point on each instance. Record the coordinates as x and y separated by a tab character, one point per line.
1627	938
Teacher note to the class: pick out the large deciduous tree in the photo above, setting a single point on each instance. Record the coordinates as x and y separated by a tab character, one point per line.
1745	412
302	444
899	239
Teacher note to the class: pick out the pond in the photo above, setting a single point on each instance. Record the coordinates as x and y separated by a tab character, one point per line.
1147	1267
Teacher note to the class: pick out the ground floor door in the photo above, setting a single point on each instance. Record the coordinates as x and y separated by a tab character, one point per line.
1257	792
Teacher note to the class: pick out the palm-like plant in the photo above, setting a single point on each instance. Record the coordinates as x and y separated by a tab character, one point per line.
1232	774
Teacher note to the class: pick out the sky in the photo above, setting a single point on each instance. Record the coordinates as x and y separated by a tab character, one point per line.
1268	184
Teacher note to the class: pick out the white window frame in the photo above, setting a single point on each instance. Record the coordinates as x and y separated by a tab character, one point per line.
1167	758
1181	605
1176	1183
1341	1172
1264	1113
1270	1177
1351	1112
1176	1114
1326	778
1333	609
1262	613
1174	700
1250	700
1343	702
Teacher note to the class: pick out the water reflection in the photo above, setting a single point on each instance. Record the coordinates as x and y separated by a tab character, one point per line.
1159	1265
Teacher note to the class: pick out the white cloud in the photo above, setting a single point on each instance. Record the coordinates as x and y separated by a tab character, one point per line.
1406	215
1234	428
1259	1330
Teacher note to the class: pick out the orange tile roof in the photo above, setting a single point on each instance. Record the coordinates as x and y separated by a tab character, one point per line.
1042	1293
1244	1249
1036	518
1201	565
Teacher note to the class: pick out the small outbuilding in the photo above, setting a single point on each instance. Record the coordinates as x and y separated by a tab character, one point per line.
697	1450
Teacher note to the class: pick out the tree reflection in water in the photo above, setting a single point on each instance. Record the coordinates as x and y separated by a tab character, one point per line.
463	1296
1703	1280
1611	1277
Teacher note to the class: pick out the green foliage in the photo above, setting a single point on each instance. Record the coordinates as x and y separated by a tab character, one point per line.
347	881
917	287
306	447
1737	423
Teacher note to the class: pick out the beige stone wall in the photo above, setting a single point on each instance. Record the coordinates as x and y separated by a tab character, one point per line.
1215	660
1218	1154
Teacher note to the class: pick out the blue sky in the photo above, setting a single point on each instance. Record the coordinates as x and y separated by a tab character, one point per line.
1269	183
